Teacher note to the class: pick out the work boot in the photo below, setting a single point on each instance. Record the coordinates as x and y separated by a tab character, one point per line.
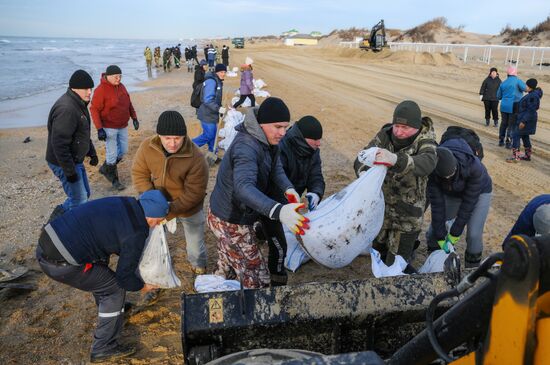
487	122
496	123
149	298
527	155
515	156
472	260
508	144
117	352
501	142
104	170
116	182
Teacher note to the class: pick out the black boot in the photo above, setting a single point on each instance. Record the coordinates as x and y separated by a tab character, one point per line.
116	182
118	352
472	260
508	143
104	170
487	122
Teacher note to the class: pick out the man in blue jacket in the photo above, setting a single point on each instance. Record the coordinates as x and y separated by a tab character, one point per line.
211	108
74	249
460	191
248	168
534	218
510	92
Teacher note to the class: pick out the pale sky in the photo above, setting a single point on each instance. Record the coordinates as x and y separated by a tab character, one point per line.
175	19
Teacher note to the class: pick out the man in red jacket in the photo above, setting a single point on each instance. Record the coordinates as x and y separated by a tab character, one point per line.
111	109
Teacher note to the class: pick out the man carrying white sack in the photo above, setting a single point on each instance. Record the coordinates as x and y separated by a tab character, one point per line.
74	249
407	147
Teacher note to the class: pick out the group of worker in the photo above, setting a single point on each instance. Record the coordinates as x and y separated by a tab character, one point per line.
258	192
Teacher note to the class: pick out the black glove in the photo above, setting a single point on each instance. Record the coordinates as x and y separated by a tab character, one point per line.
101	134
72	178
94	160
136	124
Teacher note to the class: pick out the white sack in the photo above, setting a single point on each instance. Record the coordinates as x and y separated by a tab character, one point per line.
155	265
381	270
295	255
235	69
231	120
344	224
231	74
248	61
436	261
258	84
214	283
261	93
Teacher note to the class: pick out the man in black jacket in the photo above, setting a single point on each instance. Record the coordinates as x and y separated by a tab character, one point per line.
69	141
225	55
74	249
302	165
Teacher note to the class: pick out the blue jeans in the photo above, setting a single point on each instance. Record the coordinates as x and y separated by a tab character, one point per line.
194	237
116	144
208	135
78	192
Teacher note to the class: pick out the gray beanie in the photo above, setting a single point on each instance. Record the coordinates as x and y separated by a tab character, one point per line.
541	219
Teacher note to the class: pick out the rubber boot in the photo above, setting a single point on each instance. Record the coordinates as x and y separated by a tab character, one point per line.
487	122
527	155
496	123
104	170
472	260
116	182
500	142
515	156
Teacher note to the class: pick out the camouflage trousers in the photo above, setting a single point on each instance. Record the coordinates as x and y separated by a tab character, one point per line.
238	253
392	242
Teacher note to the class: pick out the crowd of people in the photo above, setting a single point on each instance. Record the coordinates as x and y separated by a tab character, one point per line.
269	175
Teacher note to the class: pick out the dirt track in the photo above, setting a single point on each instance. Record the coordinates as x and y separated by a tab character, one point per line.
353	97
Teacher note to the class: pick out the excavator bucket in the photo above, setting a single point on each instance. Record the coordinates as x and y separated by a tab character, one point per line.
327	318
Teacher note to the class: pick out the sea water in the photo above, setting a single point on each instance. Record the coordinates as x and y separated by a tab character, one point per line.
35	71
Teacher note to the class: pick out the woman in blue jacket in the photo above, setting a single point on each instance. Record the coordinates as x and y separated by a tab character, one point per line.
510	93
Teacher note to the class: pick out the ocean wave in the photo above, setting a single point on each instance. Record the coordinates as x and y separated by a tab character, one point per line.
33	93
4	41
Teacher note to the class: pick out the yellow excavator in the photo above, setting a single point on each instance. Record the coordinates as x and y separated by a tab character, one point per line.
376	39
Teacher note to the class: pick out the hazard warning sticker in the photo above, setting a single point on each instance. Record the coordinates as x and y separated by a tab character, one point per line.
215	308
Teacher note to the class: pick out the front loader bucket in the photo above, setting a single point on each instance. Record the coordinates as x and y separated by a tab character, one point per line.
329	318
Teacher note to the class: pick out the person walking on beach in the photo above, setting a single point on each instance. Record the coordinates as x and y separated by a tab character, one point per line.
69	141
510	93
111	109
211	108
488	94
167	59
225	55
176	51
148	60
75	248
194	54
247	86
157	57
171	163
526	124
211	56
200	72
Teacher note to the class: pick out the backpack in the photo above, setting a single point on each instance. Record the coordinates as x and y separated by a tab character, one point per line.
196	96
469	135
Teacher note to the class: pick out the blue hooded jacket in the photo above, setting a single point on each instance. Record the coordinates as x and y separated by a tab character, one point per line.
528	106
524	224
510	92
212	90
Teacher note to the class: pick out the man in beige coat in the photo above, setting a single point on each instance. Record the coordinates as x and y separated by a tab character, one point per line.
170	162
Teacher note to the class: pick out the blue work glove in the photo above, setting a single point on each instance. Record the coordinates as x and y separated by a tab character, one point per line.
312	200
101	134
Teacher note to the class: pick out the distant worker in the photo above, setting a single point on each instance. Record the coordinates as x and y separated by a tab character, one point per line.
111	110
460	191
534	218
194	54
69	141
247	86
211	108
188	59
200	72
408	148
176	51
526	123
488	94
510	93
211	56
75	248
167	59
249	167
225	55
148	59
157	56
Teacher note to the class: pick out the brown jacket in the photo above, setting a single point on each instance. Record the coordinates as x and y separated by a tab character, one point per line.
182	176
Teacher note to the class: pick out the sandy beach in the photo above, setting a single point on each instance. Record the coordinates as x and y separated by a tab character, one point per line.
352	93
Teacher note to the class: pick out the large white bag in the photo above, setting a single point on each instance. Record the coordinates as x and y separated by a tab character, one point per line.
295	255
346	223
214	283
155	265
228	132
381	270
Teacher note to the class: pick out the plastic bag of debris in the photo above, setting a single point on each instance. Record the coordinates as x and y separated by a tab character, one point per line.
381	270
215	283
295	255
228	132
155	265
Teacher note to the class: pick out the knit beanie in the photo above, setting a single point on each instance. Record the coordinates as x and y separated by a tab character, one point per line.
203	63
113	70
171	123
446	162
220	67
541	219
532	83
512	71
310	127
408	113
154	204
273	110
81	80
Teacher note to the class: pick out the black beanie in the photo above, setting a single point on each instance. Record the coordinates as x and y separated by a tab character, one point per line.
220	67
310	127
113	70
446	162
408	113
81	80
273	110
532	83
171	123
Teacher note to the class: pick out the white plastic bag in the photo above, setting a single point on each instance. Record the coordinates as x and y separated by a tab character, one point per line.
346	223
155	265
231	120
214	283
258	84
248	61
231	74
381	270
295	255
436	261
171	225
367	157
261	93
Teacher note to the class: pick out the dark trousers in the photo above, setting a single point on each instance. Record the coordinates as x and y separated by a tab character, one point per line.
225	61
508	122
275	235
516	138
109	296
243	98
491	107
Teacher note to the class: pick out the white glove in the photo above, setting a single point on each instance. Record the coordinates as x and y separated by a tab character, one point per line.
385	157
292	196
312	200
481	98
367	157
289	216
222	110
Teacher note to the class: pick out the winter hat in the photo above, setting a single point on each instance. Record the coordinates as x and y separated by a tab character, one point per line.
310	127
80	79
446	162
203	63
154	204
408	113
220	67
113	70
512	71
273	110
171	123
541	219
532	83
